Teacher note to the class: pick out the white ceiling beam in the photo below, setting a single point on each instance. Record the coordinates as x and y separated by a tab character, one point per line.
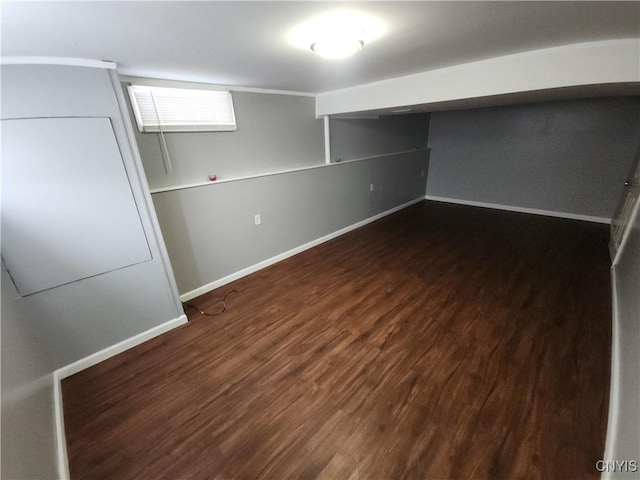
576	65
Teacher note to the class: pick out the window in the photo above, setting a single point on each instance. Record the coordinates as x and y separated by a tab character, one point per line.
160	109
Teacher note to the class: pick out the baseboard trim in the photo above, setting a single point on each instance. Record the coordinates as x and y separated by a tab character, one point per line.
294	251
120	347
534	211
89	361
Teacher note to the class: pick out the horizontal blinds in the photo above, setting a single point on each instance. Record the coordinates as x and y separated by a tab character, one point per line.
181	110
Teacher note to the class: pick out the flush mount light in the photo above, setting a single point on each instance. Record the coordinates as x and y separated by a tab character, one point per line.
337	46
336	34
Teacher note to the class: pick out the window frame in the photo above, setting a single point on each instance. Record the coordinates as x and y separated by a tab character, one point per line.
179	104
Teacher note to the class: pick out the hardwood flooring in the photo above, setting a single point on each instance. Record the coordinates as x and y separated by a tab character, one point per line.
440	342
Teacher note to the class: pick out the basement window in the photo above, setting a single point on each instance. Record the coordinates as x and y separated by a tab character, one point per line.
161	109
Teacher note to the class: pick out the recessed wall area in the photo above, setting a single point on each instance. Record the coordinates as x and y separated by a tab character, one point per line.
563	158
566	157
364	137
275	132
210	230
274	167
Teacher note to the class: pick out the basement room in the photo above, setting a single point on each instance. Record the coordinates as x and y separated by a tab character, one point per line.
320	240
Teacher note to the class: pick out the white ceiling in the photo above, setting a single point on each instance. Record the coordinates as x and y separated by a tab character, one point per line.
245	43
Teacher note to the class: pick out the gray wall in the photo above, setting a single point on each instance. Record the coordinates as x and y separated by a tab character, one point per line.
275	132
567	157
362	137
625	445
78	319
210	231
28	432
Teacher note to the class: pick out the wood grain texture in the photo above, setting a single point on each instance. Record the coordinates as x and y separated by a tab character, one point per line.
440	342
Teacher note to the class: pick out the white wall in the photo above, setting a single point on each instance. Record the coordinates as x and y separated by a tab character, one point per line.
78	319
623	435
27	438
565	67
569	157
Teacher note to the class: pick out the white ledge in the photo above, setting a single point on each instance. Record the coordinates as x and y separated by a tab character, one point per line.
279	172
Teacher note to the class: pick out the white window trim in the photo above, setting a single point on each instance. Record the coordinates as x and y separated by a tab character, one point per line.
164	109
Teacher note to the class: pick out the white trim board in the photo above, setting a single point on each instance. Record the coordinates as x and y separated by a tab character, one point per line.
160	82
627	233
533	211
120	347
67	61
61	438
281	172
142	186
290	253
613	418
86	362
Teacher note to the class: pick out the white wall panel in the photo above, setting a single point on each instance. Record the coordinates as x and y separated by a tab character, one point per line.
68	210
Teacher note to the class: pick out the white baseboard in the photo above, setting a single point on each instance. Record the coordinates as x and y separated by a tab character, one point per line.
86	362
534	211
270	261
120	347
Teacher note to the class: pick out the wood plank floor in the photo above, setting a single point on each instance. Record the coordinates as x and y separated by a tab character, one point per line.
440	342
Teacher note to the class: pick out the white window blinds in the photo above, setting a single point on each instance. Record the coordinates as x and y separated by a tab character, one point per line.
160	109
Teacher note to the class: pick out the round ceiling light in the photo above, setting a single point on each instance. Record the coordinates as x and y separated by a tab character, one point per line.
337	34
335	47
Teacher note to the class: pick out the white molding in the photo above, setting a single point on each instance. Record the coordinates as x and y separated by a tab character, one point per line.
61	438
86	362
613	419
280	172
66	61
614	386
141	181
327	139
294	251
159	82
534	211
627	232
119	347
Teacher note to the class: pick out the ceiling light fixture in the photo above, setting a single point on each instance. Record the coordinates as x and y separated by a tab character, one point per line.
335	46
337	34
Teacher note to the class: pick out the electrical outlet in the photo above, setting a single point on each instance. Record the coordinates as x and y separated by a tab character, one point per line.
257	219
371	187
422	173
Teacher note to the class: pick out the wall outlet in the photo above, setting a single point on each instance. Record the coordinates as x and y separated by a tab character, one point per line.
257	219
422	173
371	187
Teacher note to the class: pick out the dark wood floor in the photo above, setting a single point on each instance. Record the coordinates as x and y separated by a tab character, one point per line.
440	342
